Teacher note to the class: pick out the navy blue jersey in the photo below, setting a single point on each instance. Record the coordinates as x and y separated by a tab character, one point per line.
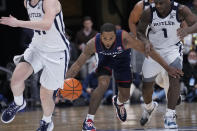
116	58
117	51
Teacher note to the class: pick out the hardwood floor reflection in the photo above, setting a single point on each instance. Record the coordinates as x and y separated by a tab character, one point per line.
71	119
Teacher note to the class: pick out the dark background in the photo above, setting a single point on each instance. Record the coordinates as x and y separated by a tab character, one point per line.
12	39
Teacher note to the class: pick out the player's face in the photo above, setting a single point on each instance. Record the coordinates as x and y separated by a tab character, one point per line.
87	24
192	55
108	38
162	6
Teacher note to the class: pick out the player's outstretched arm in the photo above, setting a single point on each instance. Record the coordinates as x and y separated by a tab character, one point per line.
134	17
144	21
51	8
130	42
185	14
85	55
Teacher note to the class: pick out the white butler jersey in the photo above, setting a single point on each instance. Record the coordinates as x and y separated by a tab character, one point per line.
163	31
52	40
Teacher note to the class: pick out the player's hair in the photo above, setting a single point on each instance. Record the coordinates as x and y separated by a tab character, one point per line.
108	27
86	18
192	50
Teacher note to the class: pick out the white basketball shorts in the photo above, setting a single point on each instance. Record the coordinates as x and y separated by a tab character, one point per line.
151	69
53	65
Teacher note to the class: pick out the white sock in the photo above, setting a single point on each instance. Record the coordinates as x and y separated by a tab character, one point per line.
18	100
47	119
90	117
149	106
170	112
118	102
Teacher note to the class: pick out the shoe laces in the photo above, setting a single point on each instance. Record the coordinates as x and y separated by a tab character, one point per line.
43	126
171	118
12	108
89	123
145	113
122	109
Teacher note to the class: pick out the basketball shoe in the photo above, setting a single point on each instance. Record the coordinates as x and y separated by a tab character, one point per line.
170	120
120	110
147	114
45	126
88	125
9	114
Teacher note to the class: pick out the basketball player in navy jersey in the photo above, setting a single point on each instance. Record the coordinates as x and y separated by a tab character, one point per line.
113	52
48	51
164	35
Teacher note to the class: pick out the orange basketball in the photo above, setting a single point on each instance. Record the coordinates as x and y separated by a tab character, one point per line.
72	89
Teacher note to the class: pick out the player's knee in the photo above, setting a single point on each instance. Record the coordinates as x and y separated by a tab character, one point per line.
147	85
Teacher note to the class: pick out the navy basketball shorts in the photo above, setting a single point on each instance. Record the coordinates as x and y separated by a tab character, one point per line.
123	76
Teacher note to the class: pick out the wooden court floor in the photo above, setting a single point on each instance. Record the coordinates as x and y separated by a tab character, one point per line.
71	119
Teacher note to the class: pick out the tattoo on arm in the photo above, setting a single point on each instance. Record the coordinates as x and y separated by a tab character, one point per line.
88	51
131	42
126	42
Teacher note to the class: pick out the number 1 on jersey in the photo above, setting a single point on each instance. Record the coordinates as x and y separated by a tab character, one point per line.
39	32
165	32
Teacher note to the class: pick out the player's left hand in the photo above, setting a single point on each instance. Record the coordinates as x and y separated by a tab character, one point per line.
10	21
182	32
174	72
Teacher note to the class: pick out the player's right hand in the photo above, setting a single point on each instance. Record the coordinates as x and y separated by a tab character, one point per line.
10	21
174	72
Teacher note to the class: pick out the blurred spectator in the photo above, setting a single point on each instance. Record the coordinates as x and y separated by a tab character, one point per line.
92	63
82	37
85	34
90	83
194	7
190	76
187	44
194	42
118	27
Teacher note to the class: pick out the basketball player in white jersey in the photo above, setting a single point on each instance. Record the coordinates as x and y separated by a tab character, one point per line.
49	52
162	79
164	19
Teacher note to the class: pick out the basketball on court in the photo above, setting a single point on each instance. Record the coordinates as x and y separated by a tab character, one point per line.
72	89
